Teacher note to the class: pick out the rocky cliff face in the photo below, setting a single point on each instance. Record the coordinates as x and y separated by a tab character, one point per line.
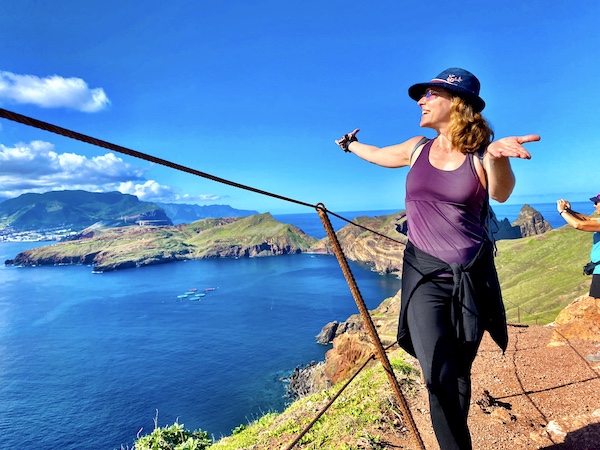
531	222
360	244
386	255
351	347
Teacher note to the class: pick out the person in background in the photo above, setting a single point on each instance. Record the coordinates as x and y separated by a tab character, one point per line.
585	223
450	290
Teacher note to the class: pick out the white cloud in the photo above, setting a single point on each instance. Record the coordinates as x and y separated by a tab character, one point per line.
37	167
52	92
152	191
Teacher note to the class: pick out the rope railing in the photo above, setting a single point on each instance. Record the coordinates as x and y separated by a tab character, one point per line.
322	211
519	309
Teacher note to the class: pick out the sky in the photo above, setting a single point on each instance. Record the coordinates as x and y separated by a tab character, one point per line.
256	92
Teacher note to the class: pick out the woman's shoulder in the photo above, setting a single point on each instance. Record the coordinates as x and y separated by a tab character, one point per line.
417	143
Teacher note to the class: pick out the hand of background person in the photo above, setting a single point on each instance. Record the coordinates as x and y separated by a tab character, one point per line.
562	204
512	147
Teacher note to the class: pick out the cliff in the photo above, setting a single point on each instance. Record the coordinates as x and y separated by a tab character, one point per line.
361	244
386	255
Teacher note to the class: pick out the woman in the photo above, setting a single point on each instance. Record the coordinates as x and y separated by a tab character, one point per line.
450	290
585	223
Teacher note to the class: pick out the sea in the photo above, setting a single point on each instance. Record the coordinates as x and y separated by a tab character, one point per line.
91	361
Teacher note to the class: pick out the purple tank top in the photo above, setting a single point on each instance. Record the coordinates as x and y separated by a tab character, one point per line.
443	209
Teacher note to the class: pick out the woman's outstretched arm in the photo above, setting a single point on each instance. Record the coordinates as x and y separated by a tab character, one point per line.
393	156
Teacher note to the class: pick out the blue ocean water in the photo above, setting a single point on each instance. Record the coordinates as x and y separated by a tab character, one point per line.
87	359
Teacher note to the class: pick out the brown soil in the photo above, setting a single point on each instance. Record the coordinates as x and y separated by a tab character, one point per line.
538	395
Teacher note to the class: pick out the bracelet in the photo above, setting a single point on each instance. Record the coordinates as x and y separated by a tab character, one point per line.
346	141
564	210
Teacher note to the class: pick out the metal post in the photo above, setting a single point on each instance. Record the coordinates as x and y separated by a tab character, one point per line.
364	312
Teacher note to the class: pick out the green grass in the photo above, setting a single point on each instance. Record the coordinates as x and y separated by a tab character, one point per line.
542	274
357	415
363	408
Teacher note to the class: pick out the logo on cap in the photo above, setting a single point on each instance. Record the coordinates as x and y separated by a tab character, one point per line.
453	79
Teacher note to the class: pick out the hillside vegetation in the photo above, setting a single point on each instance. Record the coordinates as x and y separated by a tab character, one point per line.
542	274
119	248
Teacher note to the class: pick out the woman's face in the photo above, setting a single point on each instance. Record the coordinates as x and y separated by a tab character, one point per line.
436	104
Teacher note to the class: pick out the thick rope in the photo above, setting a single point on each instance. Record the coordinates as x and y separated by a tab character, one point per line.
15	117
127	151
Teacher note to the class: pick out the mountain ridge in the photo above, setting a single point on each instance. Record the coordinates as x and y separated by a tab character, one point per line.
78	209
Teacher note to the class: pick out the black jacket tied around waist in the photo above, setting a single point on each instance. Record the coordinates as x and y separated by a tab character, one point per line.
476	301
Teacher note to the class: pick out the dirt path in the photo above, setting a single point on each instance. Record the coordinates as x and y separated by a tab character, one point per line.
533	397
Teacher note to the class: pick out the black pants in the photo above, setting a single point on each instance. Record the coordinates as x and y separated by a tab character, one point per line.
446	365
595	287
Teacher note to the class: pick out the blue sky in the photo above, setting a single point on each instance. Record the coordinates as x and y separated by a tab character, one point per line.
257	91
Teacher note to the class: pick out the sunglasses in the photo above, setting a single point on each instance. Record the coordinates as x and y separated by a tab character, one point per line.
430	94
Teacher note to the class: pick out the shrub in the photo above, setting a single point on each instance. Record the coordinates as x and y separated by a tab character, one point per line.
174	437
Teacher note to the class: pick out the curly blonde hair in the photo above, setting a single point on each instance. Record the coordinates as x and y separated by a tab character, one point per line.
469	131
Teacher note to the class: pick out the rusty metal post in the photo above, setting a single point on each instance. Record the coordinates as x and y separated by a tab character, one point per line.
366	317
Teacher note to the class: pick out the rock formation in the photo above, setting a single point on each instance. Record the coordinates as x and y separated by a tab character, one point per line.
531	222
579	320
359	243
351	346
307	380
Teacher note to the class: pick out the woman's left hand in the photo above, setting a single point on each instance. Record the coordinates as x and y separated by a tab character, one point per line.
512	147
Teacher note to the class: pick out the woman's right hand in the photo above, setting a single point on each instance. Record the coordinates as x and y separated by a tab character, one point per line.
346	139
